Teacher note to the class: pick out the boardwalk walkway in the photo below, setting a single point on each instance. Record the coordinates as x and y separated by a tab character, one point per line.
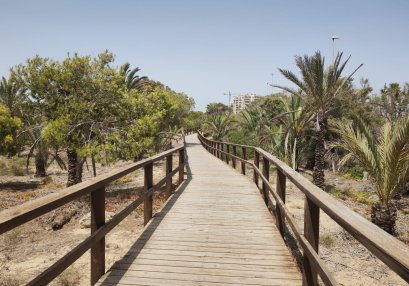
215	231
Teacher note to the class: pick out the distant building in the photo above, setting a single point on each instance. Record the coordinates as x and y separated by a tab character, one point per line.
240	102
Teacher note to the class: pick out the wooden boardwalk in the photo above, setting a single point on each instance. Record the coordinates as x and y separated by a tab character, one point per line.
215	231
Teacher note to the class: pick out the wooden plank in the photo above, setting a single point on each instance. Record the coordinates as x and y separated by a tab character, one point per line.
218	231
280	189
257	164
181	163
169	162
147	205
311	233
266	174
244	157
136	275
97	221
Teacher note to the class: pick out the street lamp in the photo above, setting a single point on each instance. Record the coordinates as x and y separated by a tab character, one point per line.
333	46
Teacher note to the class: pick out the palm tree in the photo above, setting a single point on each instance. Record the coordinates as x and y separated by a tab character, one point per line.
132	80
321	87
9	95
298	120
219	126
254	120
384	157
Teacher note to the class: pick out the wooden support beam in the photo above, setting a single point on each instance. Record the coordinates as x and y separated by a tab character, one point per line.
243	165
280	188
228	151
169	163
147	206
181	163
266	174
311	233
97	221
257	164
234	159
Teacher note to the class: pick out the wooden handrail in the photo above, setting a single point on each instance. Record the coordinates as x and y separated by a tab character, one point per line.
16	216
388	249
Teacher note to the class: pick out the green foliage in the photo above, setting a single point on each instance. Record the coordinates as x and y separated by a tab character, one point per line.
193	119
8	128
132	80
219	126
384	157
15	166
356	173
393	102
217	108
327	240
362	197
322	87
86	105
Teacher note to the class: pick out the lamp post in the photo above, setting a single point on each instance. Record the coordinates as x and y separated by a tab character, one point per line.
333	46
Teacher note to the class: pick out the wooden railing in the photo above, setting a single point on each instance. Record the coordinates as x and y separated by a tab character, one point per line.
388	249
16	216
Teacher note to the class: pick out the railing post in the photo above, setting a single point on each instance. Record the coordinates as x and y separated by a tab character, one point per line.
243	165
233	159
280	188
181	163
97	221
266	174
311	233
227	151
221	151
257	164
218	151
169	162
147	206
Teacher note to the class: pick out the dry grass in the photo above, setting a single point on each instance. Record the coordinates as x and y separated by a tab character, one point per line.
70	277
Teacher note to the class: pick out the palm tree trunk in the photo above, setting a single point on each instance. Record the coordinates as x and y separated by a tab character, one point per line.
297	147
319	166
384	216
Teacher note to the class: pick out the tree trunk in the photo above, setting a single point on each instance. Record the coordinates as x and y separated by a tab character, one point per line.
79	168
72	167
94	167
319	166
40	165
384	216
297	147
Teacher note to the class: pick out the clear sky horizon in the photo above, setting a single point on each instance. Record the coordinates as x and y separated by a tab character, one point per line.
208	48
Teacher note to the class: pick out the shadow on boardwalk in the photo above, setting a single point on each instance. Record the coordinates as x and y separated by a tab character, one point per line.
137	247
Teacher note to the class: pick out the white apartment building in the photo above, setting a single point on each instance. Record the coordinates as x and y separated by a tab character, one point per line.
240	102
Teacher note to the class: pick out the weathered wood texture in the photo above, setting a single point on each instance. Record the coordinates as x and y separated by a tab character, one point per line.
391	251
216	231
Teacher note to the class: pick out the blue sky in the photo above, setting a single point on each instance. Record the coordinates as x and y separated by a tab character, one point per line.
206	48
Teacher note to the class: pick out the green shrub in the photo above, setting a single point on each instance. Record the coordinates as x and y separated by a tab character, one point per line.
327	240
17	166
356	173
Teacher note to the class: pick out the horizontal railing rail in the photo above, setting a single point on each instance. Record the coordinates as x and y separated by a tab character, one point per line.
388	249
95	187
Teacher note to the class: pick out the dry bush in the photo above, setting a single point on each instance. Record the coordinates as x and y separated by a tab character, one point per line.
71	276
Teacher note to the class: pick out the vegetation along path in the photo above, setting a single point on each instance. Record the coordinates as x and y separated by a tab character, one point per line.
215	230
